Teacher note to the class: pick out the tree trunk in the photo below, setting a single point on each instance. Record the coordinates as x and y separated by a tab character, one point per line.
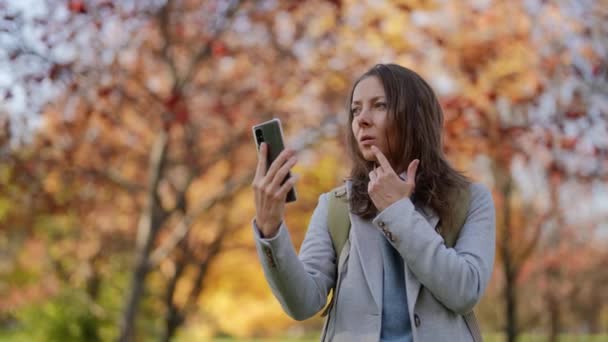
594	313
553	272
510	300
133	299
593	320
554	318
147	230
509	267
173	317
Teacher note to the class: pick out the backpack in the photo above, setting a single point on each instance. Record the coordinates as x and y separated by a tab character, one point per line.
339	228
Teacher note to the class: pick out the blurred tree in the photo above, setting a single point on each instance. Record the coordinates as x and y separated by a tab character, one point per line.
147	108
149	120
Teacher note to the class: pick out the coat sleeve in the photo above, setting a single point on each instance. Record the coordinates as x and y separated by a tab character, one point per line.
300	283
457	276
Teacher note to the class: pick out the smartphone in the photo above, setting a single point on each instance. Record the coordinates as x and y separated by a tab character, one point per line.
271	132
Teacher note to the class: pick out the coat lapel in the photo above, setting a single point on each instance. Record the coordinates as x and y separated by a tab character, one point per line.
367	245
412	283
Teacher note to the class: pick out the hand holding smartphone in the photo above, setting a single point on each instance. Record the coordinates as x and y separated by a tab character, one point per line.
271	133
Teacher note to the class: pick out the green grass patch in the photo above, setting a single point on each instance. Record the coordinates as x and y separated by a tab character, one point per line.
492	337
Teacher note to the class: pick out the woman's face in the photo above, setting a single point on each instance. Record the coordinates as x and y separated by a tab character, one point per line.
370	117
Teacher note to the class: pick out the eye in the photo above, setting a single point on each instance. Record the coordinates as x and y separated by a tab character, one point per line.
380	105
355	111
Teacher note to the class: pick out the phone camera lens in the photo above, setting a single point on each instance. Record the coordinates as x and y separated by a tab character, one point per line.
259	135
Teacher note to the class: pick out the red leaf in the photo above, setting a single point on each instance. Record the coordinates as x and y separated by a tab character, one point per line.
218	49
54	72
77	6
182	116
569	143
176	105
338	3
492	95
405	7
180	31
103	92
109	4
293	5
574	114
597	69
173	100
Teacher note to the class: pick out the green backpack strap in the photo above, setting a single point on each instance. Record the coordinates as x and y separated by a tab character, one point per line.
449	228
338	221
338	224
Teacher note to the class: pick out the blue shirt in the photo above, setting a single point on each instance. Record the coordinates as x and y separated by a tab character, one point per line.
396	325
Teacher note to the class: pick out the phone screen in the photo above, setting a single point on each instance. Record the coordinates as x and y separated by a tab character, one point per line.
271	133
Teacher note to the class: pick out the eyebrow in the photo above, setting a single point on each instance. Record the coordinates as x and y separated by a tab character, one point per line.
372	99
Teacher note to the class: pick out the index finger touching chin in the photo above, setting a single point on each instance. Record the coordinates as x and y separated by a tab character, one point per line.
380	158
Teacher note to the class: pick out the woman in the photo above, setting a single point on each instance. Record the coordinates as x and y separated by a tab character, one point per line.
398	277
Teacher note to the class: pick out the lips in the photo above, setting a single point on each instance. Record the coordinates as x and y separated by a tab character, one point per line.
367	138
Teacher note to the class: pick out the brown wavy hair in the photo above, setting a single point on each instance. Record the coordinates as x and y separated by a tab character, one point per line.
416	123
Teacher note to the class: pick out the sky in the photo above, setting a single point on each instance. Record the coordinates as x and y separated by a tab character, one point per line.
23	119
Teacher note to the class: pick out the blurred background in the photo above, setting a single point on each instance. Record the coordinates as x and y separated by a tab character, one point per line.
126	155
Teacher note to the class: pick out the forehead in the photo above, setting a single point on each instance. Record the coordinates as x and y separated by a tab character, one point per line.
368	88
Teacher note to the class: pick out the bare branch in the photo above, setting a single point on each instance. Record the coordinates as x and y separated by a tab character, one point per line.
531	245
164	18
146	231
183	227
222	23
116	179
304	140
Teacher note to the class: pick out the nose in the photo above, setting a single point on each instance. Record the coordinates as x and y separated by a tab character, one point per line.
364	118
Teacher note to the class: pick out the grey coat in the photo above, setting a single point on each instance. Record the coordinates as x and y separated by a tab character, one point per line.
442	283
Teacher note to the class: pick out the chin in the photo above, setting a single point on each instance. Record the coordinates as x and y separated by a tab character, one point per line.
368	156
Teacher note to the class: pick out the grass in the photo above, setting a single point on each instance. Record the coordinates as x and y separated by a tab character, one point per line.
497	337
487	338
